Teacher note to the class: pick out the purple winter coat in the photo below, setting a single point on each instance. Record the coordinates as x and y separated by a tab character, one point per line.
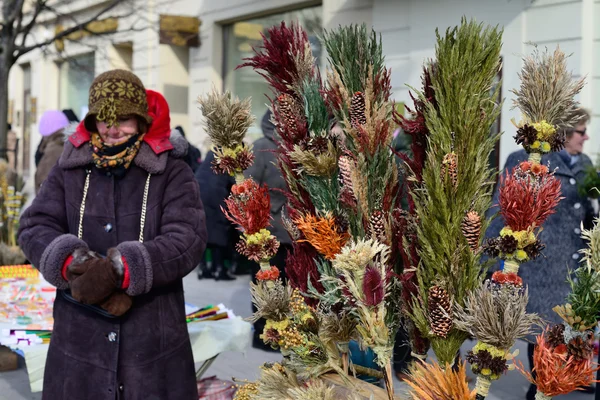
145	354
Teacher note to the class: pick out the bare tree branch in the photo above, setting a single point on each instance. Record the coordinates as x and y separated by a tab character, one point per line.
40	5
21	50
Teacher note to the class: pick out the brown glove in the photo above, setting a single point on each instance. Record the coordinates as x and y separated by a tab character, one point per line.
117	303
98	279
80	257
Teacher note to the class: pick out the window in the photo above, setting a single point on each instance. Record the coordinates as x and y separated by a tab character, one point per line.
76	77
239	38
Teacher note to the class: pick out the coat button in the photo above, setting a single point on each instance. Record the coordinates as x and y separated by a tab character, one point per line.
572	181
108	227
575	256
121	387
577	231
112	337
577	206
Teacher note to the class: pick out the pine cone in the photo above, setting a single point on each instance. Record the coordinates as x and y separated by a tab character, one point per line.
558	141
556	335
345	166
580	348
526	135
290	112
358	110
377	226
534	249
508	244
450	166
440	311
490	247
471	229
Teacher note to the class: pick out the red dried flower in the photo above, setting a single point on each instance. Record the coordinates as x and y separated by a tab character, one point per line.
373	286
300	267
525	166
527	201
249	206
275	60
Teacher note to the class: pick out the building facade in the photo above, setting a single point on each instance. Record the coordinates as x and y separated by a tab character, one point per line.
229	29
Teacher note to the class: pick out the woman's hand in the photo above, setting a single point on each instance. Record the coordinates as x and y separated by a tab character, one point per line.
96	279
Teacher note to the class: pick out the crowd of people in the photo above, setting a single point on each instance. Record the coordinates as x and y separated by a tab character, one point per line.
151	213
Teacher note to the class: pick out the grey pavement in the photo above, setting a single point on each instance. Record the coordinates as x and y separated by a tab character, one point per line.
14	385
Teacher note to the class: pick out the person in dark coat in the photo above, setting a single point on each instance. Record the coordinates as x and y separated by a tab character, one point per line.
117	225
546	277
264	170
193	158
215	189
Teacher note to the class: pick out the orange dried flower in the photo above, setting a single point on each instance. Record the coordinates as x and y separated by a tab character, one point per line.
323	234
271	274
557	372
525	165
502	278
539	169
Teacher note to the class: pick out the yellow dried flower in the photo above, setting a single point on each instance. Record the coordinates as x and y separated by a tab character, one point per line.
544	130
536	144
546	147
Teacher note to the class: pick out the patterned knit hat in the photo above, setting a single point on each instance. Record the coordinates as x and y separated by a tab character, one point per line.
114	94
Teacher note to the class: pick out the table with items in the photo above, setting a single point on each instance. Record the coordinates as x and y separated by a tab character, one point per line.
26	301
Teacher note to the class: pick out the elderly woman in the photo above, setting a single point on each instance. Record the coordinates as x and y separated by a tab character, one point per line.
546	276
115	228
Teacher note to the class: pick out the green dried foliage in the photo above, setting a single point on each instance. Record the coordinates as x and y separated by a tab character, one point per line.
496	315
227	118
584	297
467	63
316	164
351	50
317	114
547	89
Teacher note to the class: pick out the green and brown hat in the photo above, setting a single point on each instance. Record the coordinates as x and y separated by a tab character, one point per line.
114	94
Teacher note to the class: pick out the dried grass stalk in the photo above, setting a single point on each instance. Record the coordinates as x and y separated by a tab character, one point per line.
547	89
271	302
496	315
227	118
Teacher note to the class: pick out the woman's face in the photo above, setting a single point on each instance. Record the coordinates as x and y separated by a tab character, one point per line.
124	129
574	144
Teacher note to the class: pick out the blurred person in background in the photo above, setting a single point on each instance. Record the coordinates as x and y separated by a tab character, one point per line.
52	128
215	189
193	158
264	170
546	276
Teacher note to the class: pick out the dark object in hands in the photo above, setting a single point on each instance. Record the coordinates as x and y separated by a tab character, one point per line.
80	257
117	304
98	279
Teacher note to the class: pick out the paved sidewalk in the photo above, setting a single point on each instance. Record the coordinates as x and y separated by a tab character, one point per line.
235	294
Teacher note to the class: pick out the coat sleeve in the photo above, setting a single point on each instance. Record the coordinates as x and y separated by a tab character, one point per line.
178	248
44	231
